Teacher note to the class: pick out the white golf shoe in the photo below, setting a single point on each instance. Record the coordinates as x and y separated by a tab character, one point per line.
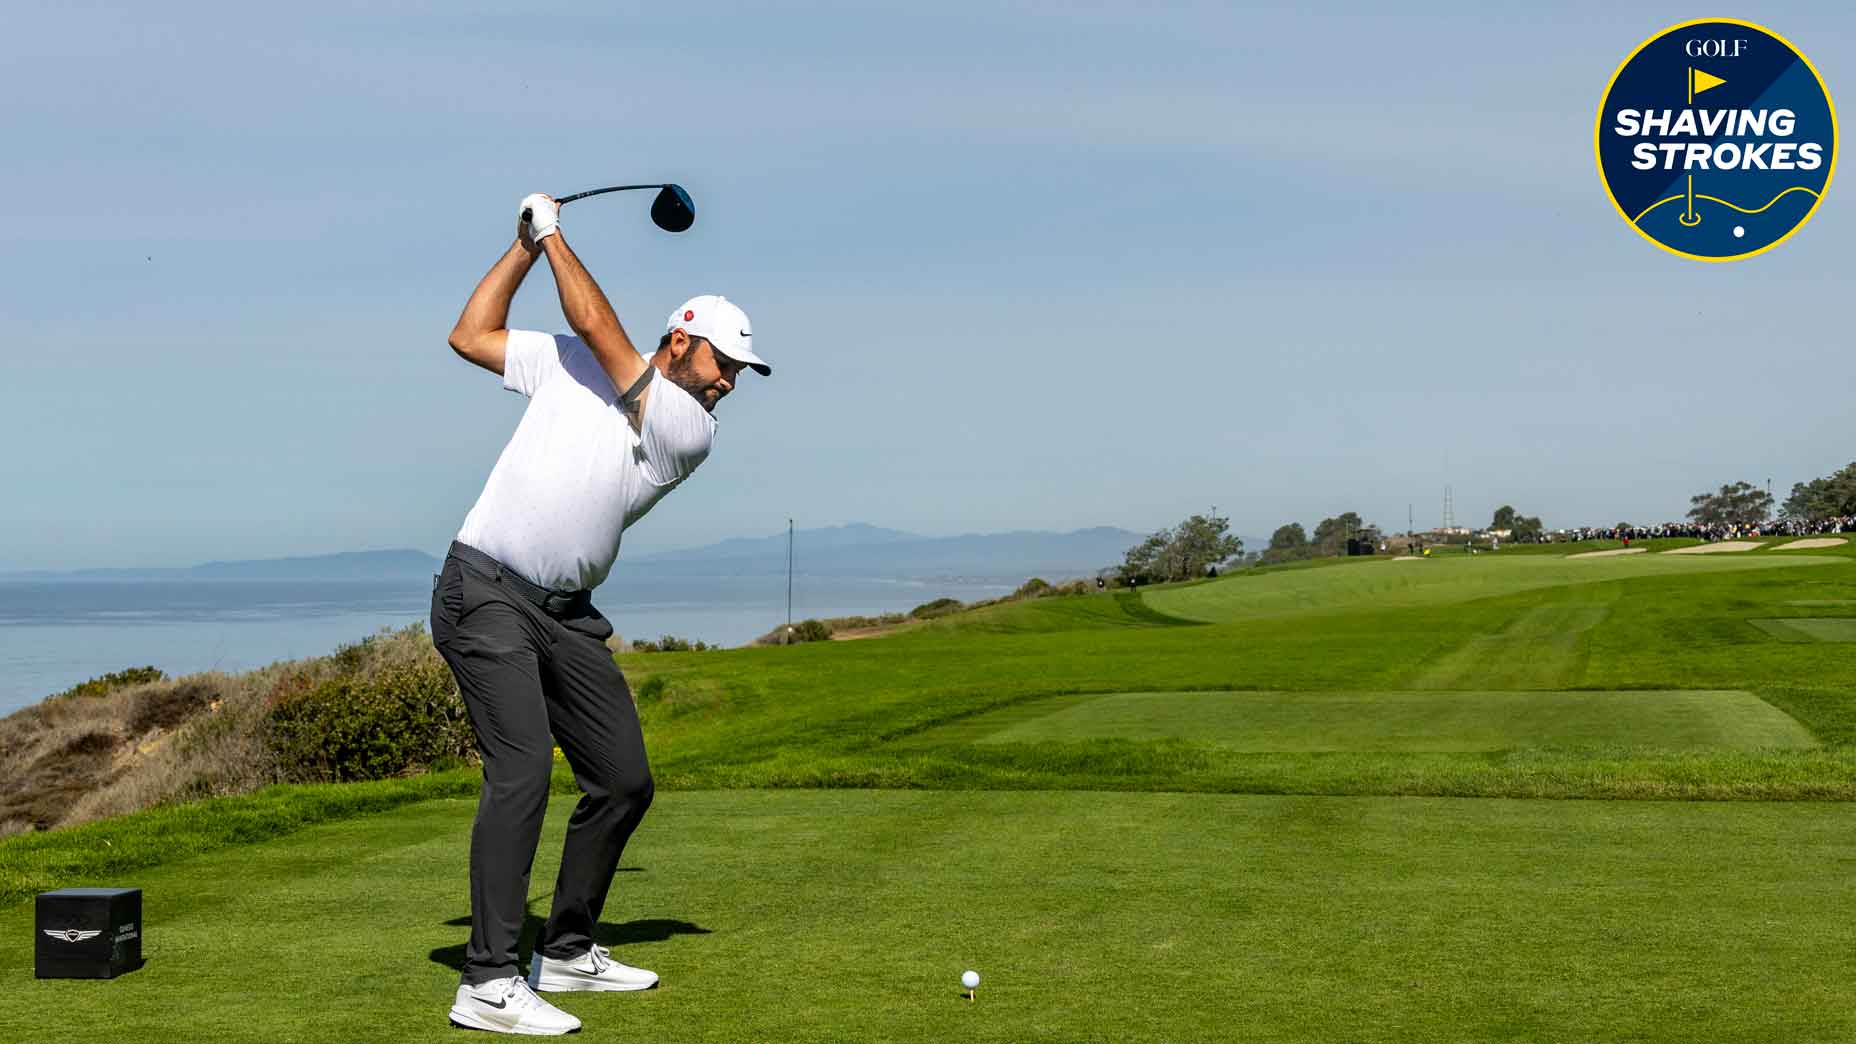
592	970
509	1006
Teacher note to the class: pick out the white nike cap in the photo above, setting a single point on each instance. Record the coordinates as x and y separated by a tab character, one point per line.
717	320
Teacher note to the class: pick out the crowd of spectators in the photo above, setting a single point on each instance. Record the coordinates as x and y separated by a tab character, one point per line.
1771	528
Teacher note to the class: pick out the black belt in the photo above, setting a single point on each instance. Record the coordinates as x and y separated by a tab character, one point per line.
554	603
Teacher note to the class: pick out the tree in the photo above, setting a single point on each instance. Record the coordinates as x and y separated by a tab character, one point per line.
1184	552
1526	529
1289	538
1199	543
1287	544
1741	504
1828	497
1504	518
1332	533
1142	561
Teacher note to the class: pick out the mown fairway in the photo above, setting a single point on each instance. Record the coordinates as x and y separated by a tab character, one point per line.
1287	805
1396	721
1591	670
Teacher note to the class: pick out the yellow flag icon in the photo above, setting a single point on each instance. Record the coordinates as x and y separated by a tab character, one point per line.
1699	81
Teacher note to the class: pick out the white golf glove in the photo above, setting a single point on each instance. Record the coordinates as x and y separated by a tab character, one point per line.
544	216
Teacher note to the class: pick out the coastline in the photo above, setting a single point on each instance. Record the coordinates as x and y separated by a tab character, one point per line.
55	634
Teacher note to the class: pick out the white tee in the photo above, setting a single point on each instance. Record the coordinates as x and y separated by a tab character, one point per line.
575	474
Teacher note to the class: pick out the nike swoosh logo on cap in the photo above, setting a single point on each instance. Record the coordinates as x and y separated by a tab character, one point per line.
744	333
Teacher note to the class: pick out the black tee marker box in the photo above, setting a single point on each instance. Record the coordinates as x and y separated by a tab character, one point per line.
87	933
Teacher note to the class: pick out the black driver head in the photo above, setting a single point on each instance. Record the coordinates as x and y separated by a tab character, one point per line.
672	210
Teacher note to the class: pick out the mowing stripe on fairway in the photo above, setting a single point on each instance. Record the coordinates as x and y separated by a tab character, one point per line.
1540	648
1424	721
1810	629
1380	584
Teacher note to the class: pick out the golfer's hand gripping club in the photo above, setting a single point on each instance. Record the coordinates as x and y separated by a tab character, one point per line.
541	217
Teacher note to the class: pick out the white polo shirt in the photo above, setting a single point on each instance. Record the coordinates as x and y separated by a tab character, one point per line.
575	474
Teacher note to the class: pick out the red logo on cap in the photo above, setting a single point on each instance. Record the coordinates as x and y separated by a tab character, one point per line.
688	315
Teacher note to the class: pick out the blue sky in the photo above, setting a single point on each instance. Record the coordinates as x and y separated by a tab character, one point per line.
1017	266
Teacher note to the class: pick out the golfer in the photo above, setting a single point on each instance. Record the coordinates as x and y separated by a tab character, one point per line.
606	434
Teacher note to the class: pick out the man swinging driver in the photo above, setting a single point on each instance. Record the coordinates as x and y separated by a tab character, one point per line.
607	432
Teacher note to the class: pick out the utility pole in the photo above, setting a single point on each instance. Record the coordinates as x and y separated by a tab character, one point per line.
789	583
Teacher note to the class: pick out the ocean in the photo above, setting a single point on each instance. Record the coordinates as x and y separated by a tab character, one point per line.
54	634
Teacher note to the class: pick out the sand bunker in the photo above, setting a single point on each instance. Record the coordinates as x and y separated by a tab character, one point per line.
1608	554
1806	545
1715	549
1404	558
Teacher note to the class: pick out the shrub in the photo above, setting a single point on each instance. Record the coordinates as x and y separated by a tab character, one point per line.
408	717
672	643
104	684
165	706
1038	587
938	607
811	631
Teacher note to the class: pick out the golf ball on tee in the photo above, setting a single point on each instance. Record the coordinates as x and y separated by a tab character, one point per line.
970	979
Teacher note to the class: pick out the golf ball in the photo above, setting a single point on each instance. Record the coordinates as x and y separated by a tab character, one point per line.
970	979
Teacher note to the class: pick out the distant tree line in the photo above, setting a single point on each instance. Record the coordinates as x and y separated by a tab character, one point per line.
1291	543
1832	496
1184	552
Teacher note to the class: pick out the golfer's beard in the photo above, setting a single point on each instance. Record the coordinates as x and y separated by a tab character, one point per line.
682	373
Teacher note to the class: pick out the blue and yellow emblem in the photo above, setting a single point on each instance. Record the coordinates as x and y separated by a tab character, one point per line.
1716	139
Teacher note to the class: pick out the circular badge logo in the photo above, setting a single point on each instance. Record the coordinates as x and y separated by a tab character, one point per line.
1716	139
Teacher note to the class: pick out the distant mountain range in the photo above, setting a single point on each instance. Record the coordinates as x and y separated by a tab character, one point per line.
865	550
345	565
857	549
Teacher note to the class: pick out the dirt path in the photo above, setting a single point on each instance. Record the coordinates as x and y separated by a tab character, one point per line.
855	633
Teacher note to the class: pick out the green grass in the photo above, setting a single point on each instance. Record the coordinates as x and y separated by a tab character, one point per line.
1444	580
1091	917
1320	722
1810	630
1222	810
876	713
126	845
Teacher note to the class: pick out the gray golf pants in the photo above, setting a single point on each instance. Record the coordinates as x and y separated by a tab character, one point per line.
524	674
